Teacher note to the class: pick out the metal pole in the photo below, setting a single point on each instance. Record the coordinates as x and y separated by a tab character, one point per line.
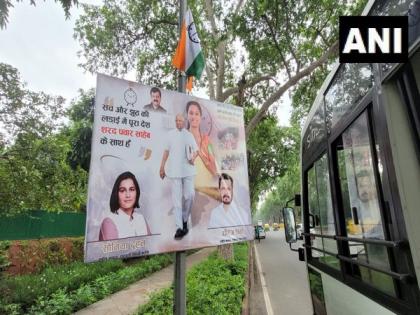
182	10
180	305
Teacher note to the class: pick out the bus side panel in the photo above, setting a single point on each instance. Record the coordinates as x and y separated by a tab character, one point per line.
343	300
406	166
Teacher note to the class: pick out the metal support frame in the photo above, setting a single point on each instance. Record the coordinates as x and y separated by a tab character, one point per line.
402	277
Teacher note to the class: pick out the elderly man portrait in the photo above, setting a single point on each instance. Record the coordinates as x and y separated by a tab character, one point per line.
178	165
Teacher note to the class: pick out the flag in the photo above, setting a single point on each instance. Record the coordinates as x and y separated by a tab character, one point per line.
188	55
189	84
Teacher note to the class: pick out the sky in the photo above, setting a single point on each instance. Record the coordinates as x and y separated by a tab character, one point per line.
38	41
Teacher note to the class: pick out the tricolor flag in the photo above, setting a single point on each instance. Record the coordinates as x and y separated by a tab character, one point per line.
188	55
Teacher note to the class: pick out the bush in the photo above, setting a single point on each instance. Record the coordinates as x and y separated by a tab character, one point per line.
33	256
26	289
4	257
214	286
72	287
99	288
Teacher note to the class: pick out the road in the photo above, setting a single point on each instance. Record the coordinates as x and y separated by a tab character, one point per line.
284	275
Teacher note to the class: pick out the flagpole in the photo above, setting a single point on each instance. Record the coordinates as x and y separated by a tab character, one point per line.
180	304
182	11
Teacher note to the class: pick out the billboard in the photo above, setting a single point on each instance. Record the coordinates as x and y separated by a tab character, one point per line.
168	172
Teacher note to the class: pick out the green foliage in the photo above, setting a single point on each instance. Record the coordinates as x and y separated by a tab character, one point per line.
306	90
34	114
59	303
33	156
26	289
271	148
215	286
38	176
284	189
323	17
66	289
77	249
259	38
281	28
268	41
160	303
288	184
304	95
56	254
124	35
80	130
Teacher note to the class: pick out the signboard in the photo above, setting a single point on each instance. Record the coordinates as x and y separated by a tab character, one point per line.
168	173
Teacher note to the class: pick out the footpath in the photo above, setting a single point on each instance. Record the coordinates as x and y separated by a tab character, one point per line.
127	301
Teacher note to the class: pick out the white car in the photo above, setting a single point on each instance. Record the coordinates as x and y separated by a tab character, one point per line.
261	232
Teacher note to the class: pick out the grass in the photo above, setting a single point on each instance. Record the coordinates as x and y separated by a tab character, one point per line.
66	289
214	286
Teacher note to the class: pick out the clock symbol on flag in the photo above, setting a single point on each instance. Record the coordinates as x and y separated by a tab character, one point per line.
192	33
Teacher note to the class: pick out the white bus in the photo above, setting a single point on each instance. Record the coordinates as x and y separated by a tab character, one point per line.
360	159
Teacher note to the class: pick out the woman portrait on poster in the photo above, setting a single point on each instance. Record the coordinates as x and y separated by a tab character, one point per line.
124	219
205	162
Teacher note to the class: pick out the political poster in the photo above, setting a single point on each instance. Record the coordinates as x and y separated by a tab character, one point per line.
168	173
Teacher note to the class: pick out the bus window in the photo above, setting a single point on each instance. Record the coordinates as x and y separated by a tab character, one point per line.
391	7
320	206
314	210
315	135
361	204
350	84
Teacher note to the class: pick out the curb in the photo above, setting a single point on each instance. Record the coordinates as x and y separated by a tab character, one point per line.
256	300
249	280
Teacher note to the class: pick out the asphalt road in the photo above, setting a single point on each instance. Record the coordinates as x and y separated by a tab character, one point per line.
284	275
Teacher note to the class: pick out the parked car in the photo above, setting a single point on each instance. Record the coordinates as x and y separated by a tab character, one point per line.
262	232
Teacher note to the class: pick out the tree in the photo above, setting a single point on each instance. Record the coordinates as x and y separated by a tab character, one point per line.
36	176
142	35
287	184
5	5
23	111
283	190
255	51
33	153
304	95
248	62
270	148
80	114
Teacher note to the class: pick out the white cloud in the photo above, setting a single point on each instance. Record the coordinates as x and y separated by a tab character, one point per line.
38	41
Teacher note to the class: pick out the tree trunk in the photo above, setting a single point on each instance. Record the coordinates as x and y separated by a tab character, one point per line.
226	251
